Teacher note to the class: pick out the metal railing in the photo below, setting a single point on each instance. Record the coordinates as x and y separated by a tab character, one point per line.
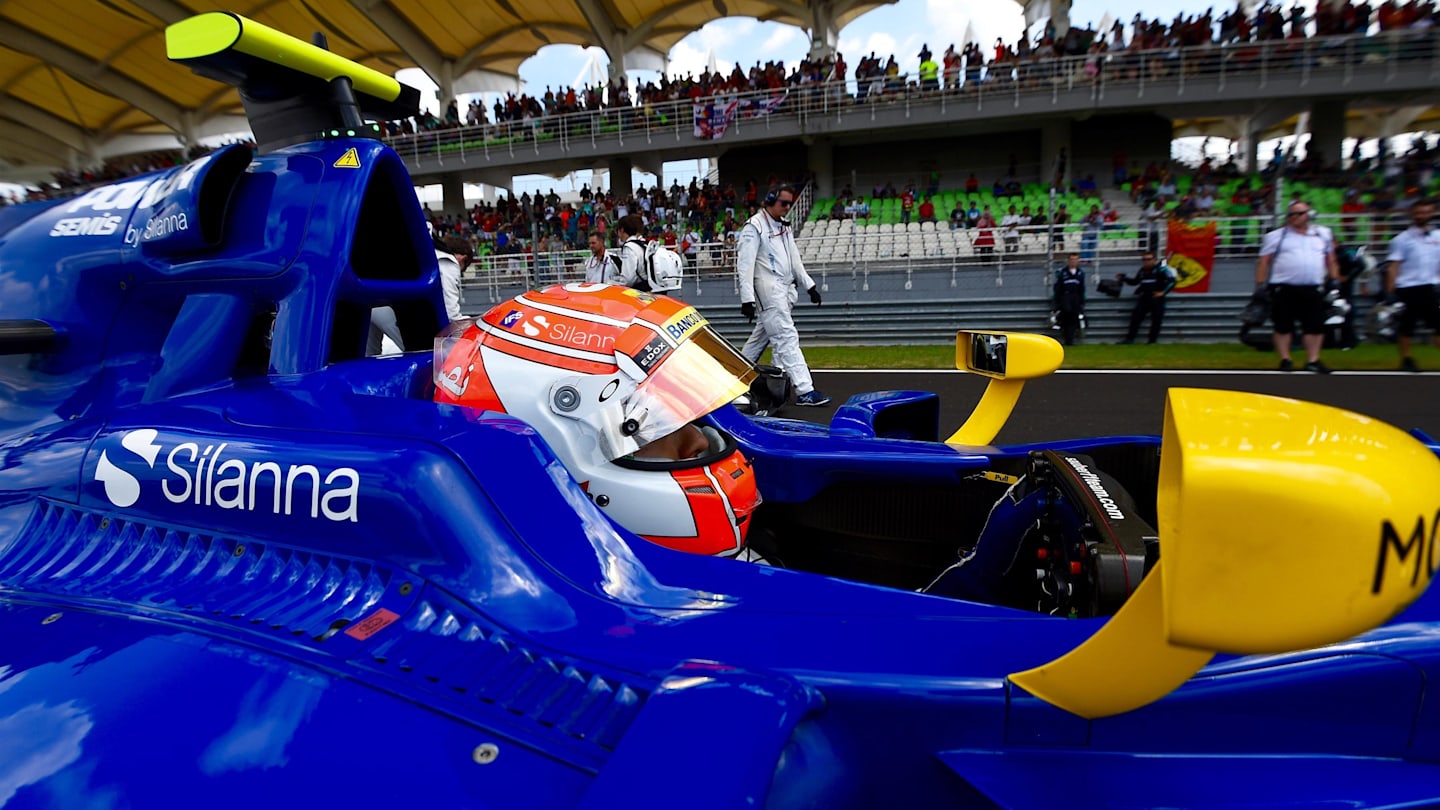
800	211
1209	67
890	258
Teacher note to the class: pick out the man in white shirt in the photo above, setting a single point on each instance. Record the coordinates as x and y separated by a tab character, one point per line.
1296	261
599	263
692	245
452	255
770	274
1152	216
1412	276
1010	230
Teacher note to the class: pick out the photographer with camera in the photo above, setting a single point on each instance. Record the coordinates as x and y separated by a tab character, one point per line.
1152	283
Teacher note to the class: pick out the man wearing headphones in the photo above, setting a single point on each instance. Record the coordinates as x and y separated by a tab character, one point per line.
770	274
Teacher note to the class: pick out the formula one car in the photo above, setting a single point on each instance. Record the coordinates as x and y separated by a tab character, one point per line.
242	563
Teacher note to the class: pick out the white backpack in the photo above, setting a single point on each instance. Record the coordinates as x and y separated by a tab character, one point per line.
662	270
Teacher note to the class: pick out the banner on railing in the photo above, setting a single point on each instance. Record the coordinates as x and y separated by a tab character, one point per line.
715	116
1192	255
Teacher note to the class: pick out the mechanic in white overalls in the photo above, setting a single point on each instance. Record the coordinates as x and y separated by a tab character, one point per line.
770	274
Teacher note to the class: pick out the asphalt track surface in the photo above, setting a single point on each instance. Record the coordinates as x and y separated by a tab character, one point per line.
1071	404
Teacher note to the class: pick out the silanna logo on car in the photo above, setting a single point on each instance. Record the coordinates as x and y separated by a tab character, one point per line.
99	211
202	474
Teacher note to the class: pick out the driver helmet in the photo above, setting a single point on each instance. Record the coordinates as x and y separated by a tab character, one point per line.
614	379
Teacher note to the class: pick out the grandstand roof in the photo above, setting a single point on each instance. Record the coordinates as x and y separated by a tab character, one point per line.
68	86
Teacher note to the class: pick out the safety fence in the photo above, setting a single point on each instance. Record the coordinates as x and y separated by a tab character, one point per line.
931	258
1327	61
1194	319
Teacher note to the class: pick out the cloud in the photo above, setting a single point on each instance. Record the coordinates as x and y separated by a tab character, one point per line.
780	37
986	20
878	43
684	59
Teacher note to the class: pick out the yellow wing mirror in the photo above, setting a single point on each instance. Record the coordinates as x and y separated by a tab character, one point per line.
1284	525
1008	359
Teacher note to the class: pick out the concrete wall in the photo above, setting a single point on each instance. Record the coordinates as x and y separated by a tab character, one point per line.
900	161
1143	137
786	160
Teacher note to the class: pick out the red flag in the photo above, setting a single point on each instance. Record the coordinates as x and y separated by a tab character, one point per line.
1192	255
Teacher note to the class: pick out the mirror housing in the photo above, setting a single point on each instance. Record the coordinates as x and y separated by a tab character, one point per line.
1008	359
1007	355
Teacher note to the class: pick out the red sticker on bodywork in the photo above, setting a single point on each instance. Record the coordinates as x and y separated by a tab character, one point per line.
372	624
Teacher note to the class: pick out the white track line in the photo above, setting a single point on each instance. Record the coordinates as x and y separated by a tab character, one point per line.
1175	372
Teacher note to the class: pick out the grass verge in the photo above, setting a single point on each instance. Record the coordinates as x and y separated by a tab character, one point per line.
1365	357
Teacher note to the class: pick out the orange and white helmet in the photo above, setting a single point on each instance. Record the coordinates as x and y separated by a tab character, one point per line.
613	379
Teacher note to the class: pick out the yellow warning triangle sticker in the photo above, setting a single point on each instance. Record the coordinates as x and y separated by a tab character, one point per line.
349	160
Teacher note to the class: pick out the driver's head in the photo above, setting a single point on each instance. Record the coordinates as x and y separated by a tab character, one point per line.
1422	212
784	199
617	382
459	247
686	443
629	226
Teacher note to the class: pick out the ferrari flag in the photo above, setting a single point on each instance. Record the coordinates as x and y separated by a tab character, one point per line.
1192	255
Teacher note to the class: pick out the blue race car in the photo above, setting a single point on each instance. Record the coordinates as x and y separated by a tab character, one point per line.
242	562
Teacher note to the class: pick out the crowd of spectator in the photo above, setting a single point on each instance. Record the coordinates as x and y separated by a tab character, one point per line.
1115	51
682	217
615	98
